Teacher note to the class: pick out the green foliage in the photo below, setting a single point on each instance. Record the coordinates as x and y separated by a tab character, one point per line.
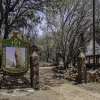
14	43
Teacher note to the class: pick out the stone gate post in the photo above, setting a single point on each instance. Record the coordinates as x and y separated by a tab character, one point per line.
34	68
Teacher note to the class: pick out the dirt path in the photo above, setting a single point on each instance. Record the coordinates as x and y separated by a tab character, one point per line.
72	92
68	91
47	78
37	95
54	89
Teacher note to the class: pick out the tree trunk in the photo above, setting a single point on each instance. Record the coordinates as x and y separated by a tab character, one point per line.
6	29
57	59
6	21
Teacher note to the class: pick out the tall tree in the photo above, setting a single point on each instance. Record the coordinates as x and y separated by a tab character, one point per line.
15	13
69	22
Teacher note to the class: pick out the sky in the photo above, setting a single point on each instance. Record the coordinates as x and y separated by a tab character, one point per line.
42	25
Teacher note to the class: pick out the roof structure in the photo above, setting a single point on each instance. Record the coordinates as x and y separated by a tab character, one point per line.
89	48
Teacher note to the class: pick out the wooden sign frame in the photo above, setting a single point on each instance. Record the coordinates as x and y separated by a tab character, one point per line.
16	43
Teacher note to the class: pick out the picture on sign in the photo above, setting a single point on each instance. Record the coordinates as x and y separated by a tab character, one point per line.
15	57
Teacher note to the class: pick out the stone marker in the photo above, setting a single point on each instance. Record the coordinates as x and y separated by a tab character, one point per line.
34	68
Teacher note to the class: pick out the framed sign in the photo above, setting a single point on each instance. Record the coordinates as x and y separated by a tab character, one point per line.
15	56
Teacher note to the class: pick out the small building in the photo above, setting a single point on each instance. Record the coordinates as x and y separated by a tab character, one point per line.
89	54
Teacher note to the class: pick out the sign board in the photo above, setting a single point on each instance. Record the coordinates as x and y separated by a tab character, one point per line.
14	56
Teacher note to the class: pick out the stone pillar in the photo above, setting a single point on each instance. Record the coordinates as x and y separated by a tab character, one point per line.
34	70
79	79
82	71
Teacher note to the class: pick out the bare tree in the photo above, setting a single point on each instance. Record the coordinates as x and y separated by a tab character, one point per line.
15	13
69	22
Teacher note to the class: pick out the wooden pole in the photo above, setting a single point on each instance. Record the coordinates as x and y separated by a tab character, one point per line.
93	34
